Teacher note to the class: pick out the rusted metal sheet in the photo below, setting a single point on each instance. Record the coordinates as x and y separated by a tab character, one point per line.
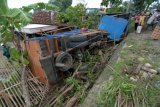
34	53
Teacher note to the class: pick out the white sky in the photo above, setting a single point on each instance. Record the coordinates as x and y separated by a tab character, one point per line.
20	3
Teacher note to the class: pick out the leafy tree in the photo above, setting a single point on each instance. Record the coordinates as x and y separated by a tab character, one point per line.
137	5
62	4
77	16
115	6
113	3
4	7
11	19
73	15
118	9
141	5
16	18
149	2
40	6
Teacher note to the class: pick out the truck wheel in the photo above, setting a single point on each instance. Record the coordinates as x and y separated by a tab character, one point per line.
64	61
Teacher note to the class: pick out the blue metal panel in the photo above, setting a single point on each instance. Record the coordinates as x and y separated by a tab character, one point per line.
67	33
114	26
40	38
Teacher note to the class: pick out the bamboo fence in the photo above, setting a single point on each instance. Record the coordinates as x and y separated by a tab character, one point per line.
11	93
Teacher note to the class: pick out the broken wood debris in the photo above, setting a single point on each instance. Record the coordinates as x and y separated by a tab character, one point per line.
72	102
143	71
37	90
11	92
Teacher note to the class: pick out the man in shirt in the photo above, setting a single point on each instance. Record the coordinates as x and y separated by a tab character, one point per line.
5	51
137	19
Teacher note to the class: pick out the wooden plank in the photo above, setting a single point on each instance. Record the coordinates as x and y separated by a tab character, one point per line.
7	99
56	44
93	32
48	46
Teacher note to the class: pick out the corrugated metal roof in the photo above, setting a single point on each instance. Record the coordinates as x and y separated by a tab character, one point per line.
114	26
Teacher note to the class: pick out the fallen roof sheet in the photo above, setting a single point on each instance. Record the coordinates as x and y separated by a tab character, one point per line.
114	26
36	28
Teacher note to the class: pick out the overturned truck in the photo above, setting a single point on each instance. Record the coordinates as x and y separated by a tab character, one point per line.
53	49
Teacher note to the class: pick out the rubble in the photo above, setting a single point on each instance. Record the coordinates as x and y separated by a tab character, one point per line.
143	72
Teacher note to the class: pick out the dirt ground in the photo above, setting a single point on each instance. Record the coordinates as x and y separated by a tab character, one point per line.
134	48
141	47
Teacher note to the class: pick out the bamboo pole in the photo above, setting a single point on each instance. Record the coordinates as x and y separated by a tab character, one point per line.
14	90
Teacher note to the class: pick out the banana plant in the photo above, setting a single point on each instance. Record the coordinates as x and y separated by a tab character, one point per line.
11	20
4	7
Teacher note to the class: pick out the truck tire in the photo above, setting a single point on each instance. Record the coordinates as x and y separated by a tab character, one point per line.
64	61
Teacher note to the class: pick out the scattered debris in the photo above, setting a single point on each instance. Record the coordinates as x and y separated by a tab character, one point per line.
11	91
156	33
143	72
72	102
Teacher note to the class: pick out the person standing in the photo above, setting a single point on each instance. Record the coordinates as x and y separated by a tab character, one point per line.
137	19
142	20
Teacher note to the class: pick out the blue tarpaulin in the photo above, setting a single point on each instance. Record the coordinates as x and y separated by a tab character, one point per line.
114	26
67	33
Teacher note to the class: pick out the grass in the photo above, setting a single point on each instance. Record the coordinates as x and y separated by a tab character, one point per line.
131	27
140	51
81	87
121	91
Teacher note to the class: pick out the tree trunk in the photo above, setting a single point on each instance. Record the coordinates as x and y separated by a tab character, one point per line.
128	8
147	7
